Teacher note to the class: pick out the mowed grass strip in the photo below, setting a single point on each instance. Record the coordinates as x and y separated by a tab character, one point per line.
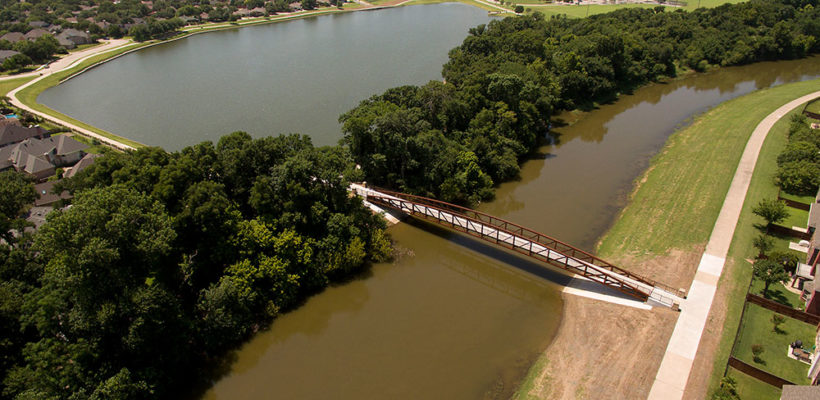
677	200
7	85
28	96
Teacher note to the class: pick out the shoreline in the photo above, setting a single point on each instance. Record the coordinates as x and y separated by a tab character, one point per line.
560	372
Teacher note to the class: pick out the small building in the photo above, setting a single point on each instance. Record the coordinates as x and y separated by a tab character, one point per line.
13	37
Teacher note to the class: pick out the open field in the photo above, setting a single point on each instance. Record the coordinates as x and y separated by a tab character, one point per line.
583	10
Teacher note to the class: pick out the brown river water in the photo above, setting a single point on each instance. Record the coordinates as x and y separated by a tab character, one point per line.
454	318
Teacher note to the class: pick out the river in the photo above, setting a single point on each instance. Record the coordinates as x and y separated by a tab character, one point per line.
452	317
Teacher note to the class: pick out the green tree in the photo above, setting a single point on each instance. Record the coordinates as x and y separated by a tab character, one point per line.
799	177
763	243
16	193
16	62
769	272
773	211
727	390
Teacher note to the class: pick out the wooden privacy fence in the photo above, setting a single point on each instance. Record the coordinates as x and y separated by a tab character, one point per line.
783	309
759	374
789	232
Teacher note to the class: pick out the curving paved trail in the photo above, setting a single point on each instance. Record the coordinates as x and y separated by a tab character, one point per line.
670	382
60	65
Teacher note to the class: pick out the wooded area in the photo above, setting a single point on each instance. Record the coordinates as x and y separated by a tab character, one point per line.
167	261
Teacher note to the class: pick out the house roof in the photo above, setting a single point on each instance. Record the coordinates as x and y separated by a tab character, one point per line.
13	37
4	54
800	392
45	194
35	33
36	164
32	155
13	133
73	33
38	24
66	145
81	165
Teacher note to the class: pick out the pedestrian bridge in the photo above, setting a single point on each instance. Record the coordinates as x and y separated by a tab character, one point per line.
525	241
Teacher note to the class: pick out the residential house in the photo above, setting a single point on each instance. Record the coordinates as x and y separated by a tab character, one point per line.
258	11
84	162
4	54
71	38
40	158
39	24
13	37
46	195
813	258
34	34
800	392
14	133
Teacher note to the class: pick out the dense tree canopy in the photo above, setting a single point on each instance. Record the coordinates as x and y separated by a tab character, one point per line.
799	162
454	140
165	261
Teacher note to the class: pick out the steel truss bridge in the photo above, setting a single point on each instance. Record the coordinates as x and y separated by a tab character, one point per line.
525	241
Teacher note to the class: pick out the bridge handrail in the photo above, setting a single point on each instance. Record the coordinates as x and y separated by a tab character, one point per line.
550	241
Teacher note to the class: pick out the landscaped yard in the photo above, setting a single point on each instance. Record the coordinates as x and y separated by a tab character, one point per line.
800	199
758	330
797	217
778	293
749	388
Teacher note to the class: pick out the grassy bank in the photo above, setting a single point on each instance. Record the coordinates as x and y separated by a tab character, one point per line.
676	202
28	95
8	85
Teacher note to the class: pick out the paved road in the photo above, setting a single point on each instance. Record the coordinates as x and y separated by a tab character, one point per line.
63	64
670	382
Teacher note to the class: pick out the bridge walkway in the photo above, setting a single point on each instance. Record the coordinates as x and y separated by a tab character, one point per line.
525	241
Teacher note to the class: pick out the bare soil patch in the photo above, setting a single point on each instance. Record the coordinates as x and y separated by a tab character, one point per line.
676	269
604	351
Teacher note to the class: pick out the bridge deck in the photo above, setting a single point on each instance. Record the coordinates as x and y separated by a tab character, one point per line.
524	241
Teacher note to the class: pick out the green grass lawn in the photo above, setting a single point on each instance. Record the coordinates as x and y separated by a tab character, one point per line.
677	204
749	388
28	96
778	293
797	217
813	106
583	10
805	199
757	328
7	85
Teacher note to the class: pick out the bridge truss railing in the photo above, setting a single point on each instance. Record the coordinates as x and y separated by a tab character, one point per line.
557	252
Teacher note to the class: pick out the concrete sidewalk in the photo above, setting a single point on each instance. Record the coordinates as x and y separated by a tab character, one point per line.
670	382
